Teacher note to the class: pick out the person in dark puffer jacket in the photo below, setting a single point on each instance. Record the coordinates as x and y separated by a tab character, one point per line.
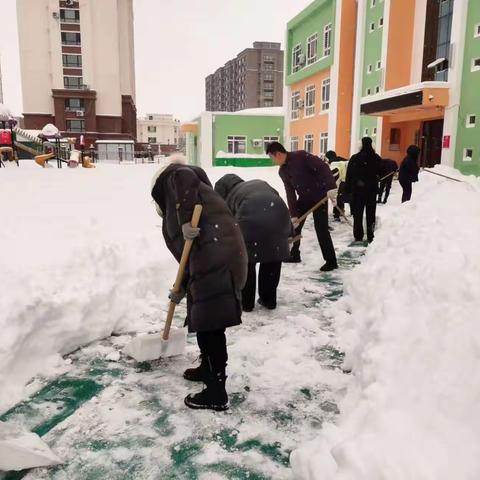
265	223
389	167
408	173
216	271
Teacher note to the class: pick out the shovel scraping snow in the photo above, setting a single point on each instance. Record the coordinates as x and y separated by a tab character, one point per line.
21	449
170	342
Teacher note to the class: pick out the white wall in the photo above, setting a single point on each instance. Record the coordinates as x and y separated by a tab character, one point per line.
167	129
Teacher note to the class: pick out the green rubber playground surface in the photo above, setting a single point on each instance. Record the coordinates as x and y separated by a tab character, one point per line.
124	420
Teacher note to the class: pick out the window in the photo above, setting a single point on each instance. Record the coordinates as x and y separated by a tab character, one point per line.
379	65
268	103
373	3
369	69
268	94
268	77
476	64
467	154
237	144
471	121
312	43
374	132
476	32
268	66
72	61
294	105
268	58
380	22
372	27
152	129
296	58
308	143
324	142
152	139
74	104
395	138
369	91
71	38
75	126
293	144
377	89
73	83
267	140
366	132
310	101
69	16
327	40
325	94
150	117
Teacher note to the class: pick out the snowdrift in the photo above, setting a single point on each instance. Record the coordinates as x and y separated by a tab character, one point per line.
409	323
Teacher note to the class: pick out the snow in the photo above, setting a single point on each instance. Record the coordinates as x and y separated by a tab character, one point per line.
20	450
409	326
221	154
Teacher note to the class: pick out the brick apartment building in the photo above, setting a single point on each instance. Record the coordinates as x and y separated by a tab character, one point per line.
77	67
251	80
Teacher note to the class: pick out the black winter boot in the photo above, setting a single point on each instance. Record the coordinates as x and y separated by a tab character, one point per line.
213	397
198	374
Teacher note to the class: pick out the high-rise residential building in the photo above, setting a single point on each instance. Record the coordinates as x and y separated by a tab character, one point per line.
253	79
77	66
319	76
417	79
158	129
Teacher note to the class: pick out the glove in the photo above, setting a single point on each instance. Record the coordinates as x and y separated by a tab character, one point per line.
332	196
295	222
177	297
189	232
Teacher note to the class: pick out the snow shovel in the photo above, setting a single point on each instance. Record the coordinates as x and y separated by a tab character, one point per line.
315	207
170	342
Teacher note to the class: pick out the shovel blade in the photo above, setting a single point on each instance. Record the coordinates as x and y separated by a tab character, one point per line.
145	348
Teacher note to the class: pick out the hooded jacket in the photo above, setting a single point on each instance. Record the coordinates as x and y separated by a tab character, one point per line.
217	267
262	215
409	168
363	173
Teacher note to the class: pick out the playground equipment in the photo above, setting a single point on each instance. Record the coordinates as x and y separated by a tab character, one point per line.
7	137
43	159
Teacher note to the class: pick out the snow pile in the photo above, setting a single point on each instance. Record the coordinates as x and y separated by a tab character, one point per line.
20	450
409	323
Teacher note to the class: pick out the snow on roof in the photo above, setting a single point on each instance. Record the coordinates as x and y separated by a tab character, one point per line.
114	141
5	113
257	112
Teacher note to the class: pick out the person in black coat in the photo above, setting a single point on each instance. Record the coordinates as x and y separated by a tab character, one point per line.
216	272
408	173
389	167
265	223
361	185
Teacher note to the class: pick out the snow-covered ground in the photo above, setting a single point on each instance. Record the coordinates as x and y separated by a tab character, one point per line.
409	324
82	257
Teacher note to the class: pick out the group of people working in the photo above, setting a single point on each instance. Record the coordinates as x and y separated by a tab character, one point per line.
245	224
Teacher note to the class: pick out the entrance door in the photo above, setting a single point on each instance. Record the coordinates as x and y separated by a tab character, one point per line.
432	135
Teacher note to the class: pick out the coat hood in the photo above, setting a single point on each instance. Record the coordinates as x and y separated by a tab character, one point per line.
226	184
413	151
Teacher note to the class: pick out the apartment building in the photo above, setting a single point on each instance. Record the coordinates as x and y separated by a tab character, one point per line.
319	73
417	79
77	67
158	129
251	80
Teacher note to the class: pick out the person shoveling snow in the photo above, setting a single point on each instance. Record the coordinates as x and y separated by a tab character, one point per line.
20	449
216	271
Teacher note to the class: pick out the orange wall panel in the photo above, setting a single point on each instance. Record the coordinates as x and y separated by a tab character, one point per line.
400	43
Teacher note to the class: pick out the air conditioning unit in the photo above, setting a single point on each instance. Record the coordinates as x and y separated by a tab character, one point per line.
85	87
301	59
257	142
300	103
55	15
69	3
79	113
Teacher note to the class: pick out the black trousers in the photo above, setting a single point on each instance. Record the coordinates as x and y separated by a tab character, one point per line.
268	280
320	219
364	202
407	191
340	200
213	347
385	186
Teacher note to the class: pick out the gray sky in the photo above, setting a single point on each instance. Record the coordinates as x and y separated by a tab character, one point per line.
178	43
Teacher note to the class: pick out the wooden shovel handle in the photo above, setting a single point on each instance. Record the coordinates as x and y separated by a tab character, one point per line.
197	212
315	207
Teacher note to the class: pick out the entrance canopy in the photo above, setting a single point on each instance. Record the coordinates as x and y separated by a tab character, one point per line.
421	101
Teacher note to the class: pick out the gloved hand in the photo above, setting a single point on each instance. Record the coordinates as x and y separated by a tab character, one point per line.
295	222
177	297
332	196
189	232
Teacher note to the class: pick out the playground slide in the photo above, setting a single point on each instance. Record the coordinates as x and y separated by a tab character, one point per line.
42	159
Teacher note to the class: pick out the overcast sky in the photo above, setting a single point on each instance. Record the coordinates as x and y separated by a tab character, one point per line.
177	44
